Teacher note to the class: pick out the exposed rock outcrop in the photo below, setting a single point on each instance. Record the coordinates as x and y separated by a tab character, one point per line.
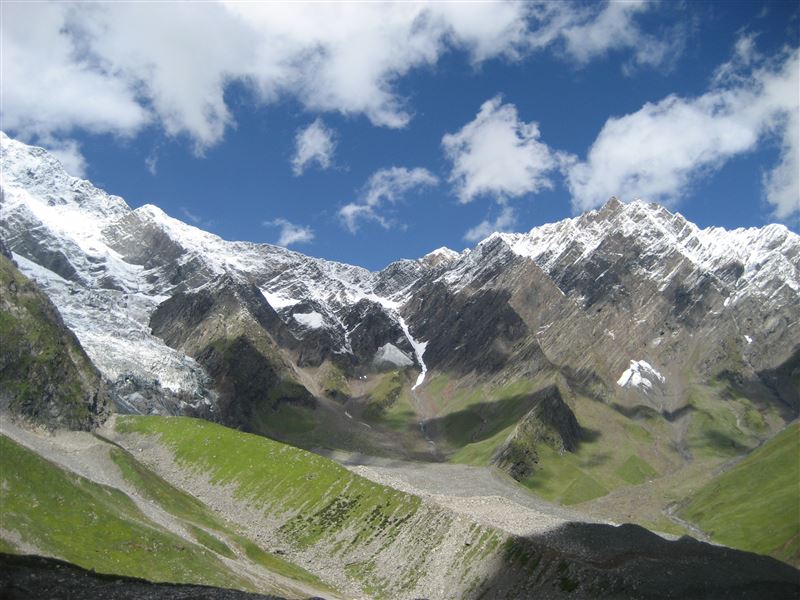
45	376
550	423
228	328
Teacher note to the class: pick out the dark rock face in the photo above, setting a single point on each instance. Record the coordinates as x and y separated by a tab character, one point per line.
601	278
588	561
232	332
30	577
176	318
370	328
135	395
467	332
312	346
550	422
784	381
45	375
248	382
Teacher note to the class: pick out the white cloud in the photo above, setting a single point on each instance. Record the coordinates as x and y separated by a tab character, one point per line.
614	28
116	67
314	143
385	186
583	32
505	221
49	87
151	164
291	233
68	153
659	151
498	155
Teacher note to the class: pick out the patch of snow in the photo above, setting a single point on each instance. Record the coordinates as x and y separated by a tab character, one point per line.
277	301
640	374
313	319
419	351
392	354
748	339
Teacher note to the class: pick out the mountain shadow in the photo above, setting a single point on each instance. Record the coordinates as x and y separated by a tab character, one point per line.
586	560
26	577
538	418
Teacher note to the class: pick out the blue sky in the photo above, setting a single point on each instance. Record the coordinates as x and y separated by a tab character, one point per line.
370	132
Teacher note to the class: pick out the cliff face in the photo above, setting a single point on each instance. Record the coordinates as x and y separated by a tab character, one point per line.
45	375
231	331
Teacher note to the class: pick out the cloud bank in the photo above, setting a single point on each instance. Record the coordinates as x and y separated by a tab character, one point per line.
659	151
119	67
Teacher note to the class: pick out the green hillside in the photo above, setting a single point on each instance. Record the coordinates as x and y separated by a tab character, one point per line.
101	528
96	526
319	508
755	505
45	375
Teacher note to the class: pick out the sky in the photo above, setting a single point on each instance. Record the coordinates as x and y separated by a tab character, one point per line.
370	132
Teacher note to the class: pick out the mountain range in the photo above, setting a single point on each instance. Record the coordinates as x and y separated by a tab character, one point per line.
618	355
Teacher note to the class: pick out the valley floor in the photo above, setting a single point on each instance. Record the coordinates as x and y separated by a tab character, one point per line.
378	528
483	494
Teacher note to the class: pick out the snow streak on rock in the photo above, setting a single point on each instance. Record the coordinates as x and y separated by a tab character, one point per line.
419	351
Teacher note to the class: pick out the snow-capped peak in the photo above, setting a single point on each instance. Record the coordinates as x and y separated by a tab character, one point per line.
769	257
442	254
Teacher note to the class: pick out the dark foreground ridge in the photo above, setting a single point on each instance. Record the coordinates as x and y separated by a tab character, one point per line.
588	561
30	577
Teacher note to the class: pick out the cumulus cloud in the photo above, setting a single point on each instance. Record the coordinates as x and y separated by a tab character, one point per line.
116	67
68	153
313	144
50	87
498	155
660	150
504	221
291	233
384	187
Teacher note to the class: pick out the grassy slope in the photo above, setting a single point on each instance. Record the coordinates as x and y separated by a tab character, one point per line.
756	504
323	507
384	394
204	525
282	479
95	526
622	453
616	452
